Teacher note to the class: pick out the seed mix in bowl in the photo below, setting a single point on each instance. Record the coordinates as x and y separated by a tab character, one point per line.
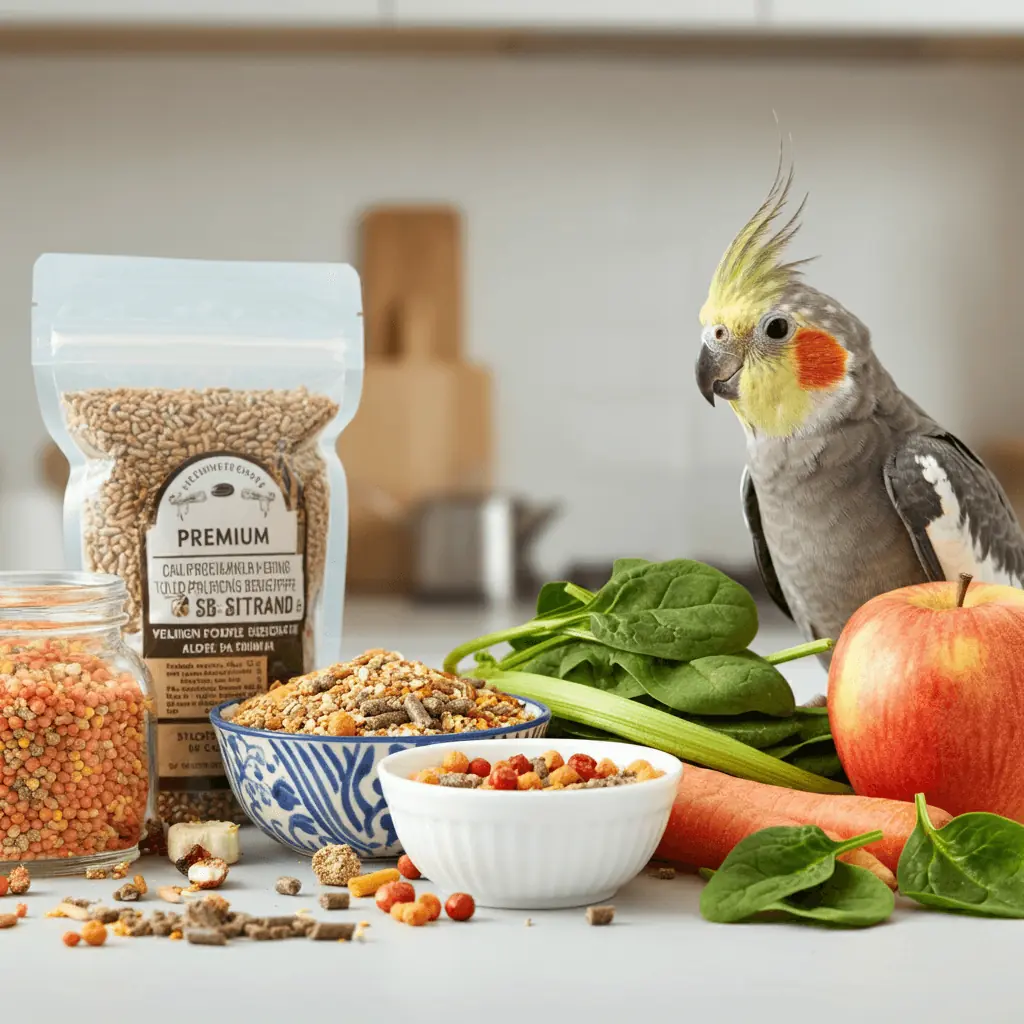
380	693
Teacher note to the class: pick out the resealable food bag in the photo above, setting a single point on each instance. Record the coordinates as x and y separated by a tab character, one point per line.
199	404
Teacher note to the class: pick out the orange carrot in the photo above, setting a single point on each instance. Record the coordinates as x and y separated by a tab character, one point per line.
713	812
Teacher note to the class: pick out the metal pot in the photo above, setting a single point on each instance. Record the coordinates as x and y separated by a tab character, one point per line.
477	548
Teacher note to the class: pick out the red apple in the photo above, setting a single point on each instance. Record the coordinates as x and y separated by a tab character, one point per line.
927	696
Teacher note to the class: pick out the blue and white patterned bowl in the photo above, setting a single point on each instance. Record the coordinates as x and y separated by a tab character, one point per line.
309	791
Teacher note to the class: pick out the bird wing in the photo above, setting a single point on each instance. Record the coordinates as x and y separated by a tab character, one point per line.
958	517
752	516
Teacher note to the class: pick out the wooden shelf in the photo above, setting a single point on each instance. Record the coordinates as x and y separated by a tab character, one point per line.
765	44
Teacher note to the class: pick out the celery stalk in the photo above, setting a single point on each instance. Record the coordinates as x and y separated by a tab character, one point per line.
652	728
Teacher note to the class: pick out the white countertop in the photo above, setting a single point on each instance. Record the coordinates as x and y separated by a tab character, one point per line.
658	961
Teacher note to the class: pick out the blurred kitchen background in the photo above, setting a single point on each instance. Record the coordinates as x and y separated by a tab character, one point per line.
536	193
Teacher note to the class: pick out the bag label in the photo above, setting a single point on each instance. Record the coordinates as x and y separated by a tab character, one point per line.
223	595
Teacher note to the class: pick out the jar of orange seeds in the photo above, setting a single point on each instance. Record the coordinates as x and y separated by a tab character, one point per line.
76	729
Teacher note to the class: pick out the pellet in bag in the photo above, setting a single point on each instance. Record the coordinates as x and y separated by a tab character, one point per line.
199	405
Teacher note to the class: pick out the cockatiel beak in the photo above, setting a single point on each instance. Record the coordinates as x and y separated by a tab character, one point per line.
718	373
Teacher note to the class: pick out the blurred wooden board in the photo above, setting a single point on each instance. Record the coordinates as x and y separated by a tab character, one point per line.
411	269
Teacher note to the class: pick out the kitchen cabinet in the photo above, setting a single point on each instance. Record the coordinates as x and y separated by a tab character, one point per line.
190	13
895	16
578	14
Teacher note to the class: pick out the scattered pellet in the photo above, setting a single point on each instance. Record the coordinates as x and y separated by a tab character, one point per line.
303	924
528	922
162	928
288	886
665	873
205	937
540	766
283	931
334	900
128	893
434	705
235	925
140	928
336	864
600	915
460	780
258	932
105	915
460	706
282	920
326	931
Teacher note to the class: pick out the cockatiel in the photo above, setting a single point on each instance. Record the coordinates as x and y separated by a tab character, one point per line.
850	488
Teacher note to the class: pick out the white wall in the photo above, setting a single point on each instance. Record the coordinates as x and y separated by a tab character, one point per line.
599	196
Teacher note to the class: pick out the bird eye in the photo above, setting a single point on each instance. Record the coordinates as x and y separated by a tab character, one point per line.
720	333
777	328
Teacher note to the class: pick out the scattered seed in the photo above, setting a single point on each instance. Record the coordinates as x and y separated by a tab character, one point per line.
665	873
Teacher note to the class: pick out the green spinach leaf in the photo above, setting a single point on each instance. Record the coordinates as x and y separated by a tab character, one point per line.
724	684
826	763
784	751
593	665
626	564
853	897
581	662
552	603
680	610
974	864
770	865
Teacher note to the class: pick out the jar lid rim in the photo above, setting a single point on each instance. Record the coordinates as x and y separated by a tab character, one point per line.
38	590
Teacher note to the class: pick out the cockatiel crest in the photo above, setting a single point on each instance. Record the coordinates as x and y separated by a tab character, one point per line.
850	489
786	341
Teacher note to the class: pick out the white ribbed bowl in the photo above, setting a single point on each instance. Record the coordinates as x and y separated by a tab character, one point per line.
531	850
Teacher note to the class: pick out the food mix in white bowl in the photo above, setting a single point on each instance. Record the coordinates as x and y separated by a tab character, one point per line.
530	848
302	758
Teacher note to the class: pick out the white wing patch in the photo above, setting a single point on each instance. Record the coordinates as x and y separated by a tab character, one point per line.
951	537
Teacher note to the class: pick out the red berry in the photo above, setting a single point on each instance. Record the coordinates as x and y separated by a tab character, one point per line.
394	892
460	906
520	764
504	777
584	766
407	868
479	766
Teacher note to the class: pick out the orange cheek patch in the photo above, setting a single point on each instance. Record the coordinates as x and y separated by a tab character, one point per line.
820	359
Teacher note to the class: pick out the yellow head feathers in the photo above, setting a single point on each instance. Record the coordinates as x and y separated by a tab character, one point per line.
751	276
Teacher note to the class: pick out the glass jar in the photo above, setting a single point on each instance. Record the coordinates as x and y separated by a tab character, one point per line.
76	725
